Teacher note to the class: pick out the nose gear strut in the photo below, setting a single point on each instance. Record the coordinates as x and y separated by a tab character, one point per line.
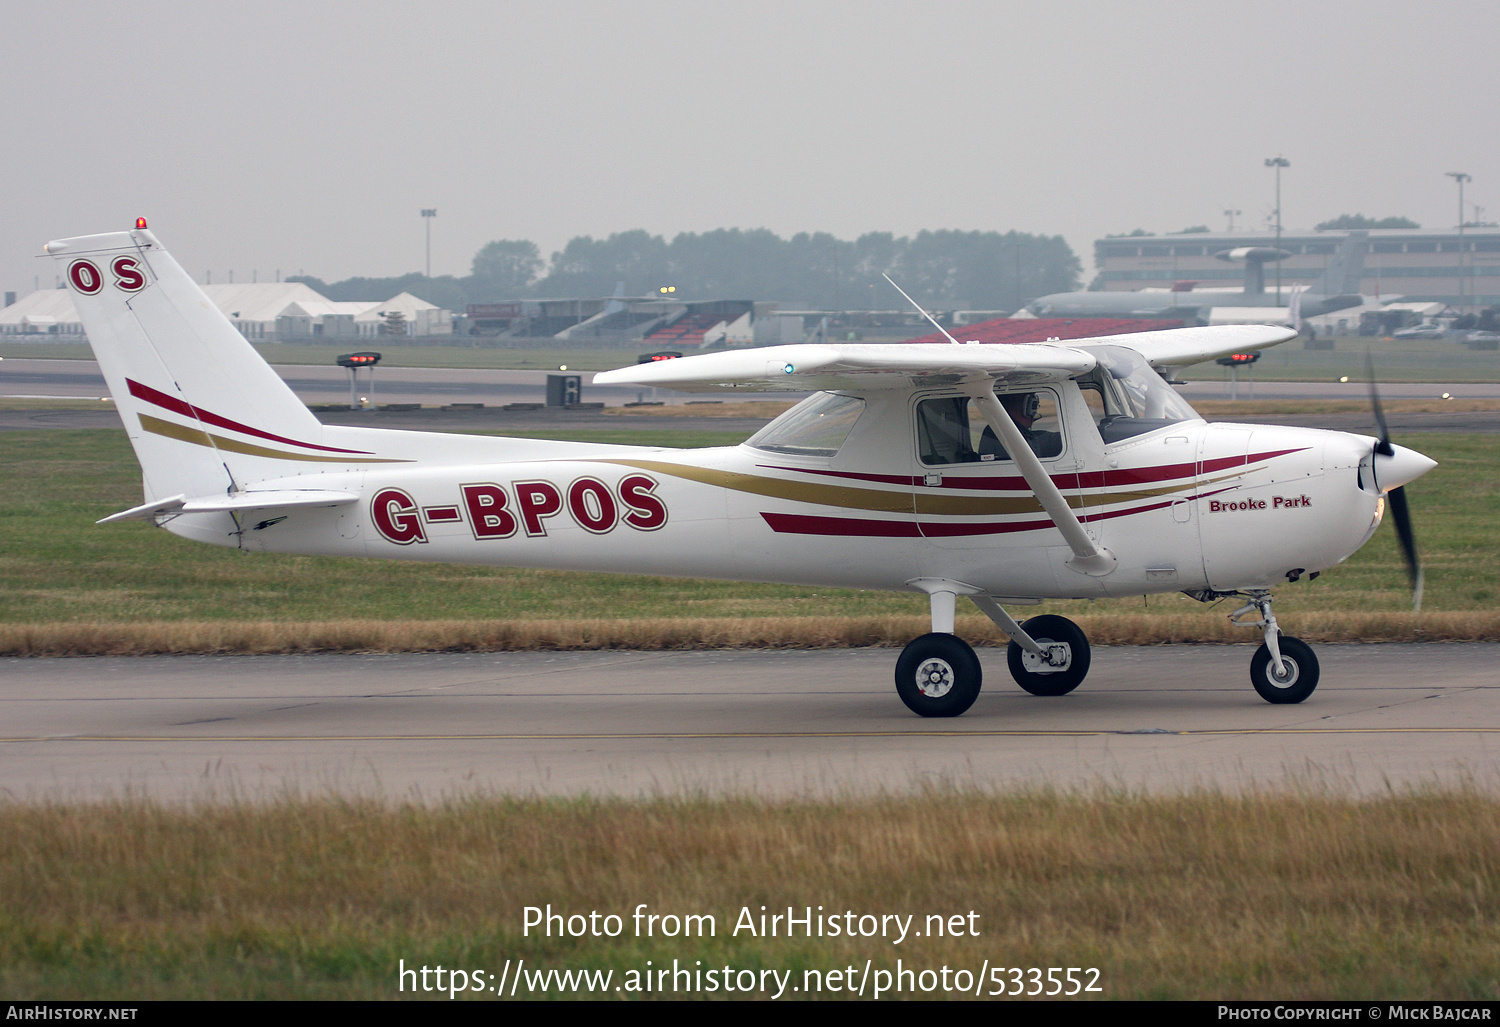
1284	669
1260	599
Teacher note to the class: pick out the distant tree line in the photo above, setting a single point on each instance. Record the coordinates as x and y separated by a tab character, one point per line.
1353	221
943	269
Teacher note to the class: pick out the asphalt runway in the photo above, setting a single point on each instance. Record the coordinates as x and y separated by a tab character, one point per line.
818	724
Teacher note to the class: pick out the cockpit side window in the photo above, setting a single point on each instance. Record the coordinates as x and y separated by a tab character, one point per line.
1127	397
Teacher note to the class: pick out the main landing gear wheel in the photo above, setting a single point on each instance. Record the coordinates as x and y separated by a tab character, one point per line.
1299	672
938	675
1064	671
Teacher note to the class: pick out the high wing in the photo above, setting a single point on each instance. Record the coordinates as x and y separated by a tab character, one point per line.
874	366
809	368
1179	347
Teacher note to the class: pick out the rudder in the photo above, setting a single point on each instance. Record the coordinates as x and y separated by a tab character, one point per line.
204	412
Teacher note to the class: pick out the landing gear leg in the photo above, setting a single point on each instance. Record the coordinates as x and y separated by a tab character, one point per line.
1284	669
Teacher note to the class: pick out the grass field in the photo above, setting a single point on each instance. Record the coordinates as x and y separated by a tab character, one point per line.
1198	897
67	585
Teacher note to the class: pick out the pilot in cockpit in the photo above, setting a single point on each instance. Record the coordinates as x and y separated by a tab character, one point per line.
1023	408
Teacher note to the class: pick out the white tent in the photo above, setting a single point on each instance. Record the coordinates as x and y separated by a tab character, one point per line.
421	317
253	307
47	312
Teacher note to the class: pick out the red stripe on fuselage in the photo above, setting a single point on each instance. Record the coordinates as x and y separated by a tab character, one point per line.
810	524
1083	479
177	406
858	527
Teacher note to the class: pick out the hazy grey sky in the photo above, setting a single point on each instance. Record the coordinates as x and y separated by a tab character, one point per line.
306	136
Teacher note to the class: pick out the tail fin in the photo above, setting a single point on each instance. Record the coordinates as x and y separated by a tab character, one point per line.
204	412
1342	277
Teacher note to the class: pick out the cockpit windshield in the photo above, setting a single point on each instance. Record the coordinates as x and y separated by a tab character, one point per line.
1128	397
817	426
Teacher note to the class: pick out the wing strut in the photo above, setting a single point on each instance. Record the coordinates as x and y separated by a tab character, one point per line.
1088	558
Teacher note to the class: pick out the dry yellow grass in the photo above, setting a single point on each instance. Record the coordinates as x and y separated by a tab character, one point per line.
1200	896
263	637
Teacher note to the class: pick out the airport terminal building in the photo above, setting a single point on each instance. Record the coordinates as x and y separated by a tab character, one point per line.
1462	271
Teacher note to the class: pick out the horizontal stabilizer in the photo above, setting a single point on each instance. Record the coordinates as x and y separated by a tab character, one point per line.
233	502
146	511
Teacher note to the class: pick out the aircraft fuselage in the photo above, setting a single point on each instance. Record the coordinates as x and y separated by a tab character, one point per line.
1188	506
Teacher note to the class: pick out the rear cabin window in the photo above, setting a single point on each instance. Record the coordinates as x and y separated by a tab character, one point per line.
950	430
817	426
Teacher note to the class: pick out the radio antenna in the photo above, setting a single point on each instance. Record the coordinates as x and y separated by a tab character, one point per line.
914	303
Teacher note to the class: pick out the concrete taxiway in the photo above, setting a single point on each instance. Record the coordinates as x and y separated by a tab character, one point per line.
1162	719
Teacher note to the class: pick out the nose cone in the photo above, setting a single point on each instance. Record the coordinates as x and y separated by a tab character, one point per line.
1400	466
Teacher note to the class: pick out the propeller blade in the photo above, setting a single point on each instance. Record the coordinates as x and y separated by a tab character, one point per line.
1383	447
1402	516
1400	512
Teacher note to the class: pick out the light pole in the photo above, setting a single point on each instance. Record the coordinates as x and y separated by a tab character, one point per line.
1278	163
1460	178
428	213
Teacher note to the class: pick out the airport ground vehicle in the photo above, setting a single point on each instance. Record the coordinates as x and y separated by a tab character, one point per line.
1425	331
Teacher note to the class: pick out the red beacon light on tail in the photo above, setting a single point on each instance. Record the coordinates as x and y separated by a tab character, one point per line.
140	223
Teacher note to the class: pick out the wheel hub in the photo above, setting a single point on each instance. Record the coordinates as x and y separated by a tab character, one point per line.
1058	657
1287	677
934	678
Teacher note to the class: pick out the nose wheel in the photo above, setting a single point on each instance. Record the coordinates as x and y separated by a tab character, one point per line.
1297	677
1284	669
938	675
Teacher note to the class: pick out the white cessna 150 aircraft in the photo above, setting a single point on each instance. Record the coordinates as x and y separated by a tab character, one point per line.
1006	473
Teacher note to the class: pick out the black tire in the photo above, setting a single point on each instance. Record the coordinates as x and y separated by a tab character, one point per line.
1044	629
938	675
1302	672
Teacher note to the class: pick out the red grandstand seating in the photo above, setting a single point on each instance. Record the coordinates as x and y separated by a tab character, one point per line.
687	330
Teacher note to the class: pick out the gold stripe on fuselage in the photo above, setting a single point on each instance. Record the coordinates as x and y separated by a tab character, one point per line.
182	433
849	497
